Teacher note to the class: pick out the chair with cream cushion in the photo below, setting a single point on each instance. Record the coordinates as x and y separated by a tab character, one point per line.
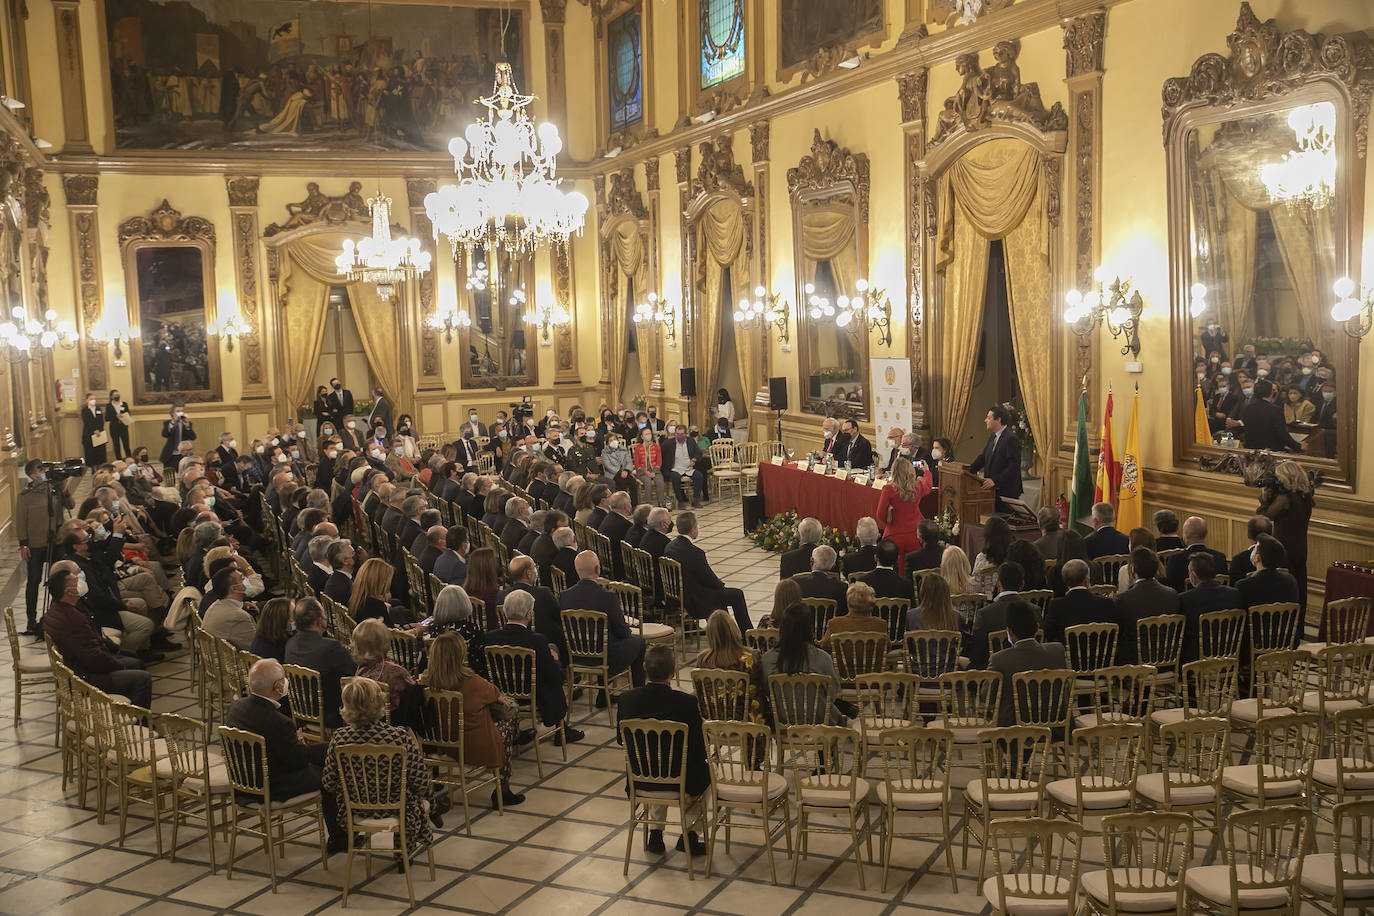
632	607
1221	633
200	781
1148	855
1104	763
656	773
1272	628
723	695
1037	863
886	701
30	670
1045	697
372	784
929	655
140	768
1121	694
826	760
856	654
1012	781
744	781
800	699
1091	647
968	704
1264	858
914	762
1343	877
1193	754
1349	773
1278	682
1344	673
1159	642
1209	689
1280	768
1346	620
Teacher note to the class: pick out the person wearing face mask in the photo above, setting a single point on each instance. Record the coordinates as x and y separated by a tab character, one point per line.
117	420
323	414
651	417
381	411
1296	408
227	452
401	467
681	460
499	444
1322	376
93	433
1325	419
1225	401
830	431
466	447
554	450
1214	339
226	617
477	424
1261	421
550	418
340	402
83	650
617	465
581	453
174	432
1246	361
647	465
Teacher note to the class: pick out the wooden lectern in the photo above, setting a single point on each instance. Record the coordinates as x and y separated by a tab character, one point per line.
964	490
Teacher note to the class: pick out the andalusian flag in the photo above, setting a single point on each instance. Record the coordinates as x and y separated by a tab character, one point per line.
1080	497
1129	513
1108	467
1202	433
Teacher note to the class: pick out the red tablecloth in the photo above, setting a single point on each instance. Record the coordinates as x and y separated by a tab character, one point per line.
1347	582
837	503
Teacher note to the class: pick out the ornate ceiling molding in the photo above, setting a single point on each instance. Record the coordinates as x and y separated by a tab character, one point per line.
829	164
1266	61
166	224
416	189
1084	40
995	94
242	190
554	11
319	207
718	170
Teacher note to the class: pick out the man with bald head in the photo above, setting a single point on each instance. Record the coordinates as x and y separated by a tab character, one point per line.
434	547
624	649
1194	541
615	526
524	577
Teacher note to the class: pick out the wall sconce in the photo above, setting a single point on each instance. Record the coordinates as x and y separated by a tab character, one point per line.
1116	303
1355	313
232	326
765	309
868	309
546	317
121	337
659	310
26	336
1197	304
448	318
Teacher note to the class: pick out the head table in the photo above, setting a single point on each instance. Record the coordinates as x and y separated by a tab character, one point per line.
835	502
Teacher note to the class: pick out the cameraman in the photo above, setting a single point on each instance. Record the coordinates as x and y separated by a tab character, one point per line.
37	523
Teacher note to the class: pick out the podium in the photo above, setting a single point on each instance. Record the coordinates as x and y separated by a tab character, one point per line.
964	491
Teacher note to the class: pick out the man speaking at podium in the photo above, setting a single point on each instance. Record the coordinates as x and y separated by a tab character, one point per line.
1001	458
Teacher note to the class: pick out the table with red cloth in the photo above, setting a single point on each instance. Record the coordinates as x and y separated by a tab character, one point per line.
1347	581
837	503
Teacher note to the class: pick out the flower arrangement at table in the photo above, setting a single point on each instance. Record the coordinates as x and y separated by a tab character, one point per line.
949	525
1020	424
779	534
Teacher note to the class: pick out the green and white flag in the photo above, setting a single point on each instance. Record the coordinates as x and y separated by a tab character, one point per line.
1081	496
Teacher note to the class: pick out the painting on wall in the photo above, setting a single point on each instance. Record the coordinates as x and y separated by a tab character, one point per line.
809	25
285	76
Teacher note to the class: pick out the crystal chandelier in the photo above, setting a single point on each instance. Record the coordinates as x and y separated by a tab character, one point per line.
26	336
380	259
1308	173
507	194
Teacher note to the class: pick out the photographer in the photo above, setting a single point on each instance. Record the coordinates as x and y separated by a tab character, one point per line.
37	520
1286	498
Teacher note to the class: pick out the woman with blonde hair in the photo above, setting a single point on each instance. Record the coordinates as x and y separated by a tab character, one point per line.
1287	501
726	650
371	586
490	726
935	611
955	570
371	646
899	506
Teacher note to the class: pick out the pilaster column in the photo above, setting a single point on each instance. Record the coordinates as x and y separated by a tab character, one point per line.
758	148
430	375
243	218
70	77
80	192
911	93
655	264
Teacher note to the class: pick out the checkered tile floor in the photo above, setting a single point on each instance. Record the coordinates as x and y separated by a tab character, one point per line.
559	854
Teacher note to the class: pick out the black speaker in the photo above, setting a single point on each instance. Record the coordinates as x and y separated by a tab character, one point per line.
777	393
689	382
753	511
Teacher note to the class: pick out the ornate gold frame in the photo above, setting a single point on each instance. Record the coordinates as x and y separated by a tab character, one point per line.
530	377
1268	70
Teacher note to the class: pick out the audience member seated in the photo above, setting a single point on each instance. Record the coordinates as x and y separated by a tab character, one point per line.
522	575
1269	583
1166	530
1047	545
82	647
1079	604
932	549
371	589
658	700
624	649
371	646
785	594
858	618
1071	547
702	590
1105	539
1025	653
1024	555
797	653
1206	595
273	629
865	557
955	570
1177	570
682	459
565	553
996	543
294	766
726	651
639	524
318	572
819	583
342	558
551	702
494	510
1125	576
615	526
655	540
543	550
1240	565
434	547
935	611
518	517
451	566
884	579
310	648
1147	597
453	614
484	584
227	617
797	561
993	616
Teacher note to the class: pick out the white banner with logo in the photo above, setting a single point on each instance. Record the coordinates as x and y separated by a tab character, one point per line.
890	384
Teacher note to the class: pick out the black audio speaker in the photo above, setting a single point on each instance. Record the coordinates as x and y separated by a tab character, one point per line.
689	382
777	393
753	511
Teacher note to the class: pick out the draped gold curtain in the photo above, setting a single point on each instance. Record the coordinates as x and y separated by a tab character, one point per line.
302	300
720	245
629	279
1306	238
828	235
377	326
993	191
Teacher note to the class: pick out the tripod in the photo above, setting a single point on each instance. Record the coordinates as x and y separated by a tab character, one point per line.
57	490
780	413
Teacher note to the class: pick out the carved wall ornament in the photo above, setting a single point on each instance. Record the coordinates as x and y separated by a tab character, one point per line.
1266	61
623	197
630	137
1084	188
553	10
245	254
1052	190
165	223
758	141
1084	38
718	170
826	60
88	287
1252	466
319	207
830	164
911	92
928	196
80	190
995	94
242	189
599	189
416	189
682	164
37	201
651	173
963	12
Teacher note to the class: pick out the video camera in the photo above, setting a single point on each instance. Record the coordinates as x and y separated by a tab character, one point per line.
519	411
63	470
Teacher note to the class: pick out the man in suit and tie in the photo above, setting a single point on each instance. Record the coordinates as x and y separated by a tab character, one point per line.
318	572
450	486
1206	595
1105	539
884	580
551	702
830	444
819	583
932	548
993	616
682	463
476	424
1269	583
533	533
854	449
93	424
1148	597
658	700
565	553
543	550
451	566
341	558
1025	653
227	450
798	560
1079	605
1241	565
865	557
639	525
1001	458
703	591
624	649
465	449
310	648
1047	545
1176	571
412	507
340	403
615	526
600	497
547	621
433	549
518	517
1262	422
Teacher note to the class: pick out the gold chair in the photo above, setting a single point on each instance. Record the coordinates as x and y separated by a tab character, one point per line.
1120	694
1159	642
1011	781
306	693
1345	879
631	599
209	670
372	781
826	762
670	574
1264	856
823	610
1105	762
656	773
1091	646
1039	873
1108	568
1106	589
30	670
200	783
929	655
1272	628
915	765
602	545
1195	751
918	578
1221	633
588	663
442	743
761	640
856	655
1147	860
967	604
886	701
1346	620
68	734
723	695
1045	698
1038	598
137	766
1280	680
1280	767
772	448
893	612
407	652
245	760
1209	689
1344	674
967	705
747	454
725	467
1348	774
559	580
512	670
743	780
800	699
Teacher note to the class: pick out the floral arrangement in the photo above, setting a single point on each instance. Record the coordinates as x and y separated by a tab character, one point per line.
949	525
639	401
1277	346
779	533
1020	423
838	375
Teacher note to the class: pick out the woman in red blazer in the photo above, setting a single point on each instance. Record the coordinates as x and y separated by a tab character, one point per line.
899	506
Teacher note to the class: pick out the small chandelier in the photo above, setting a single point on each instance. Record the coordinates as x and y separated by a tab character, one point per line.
507	194
1354	308
658	310
544	316
1308	173
379	259
1118	304
448	317
26	336
868	309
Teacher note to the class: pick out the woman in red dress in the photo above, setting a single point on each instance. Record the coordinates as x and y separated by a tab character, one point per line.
899	507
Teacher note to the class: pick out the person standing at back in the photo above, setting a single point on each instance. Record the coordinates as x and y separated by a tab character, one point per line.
1000	462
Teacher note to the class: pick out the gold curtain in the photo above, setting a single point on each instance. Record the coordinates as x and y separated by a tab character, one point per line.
376	321
302	300
720	245
1029	301
828	235
1306	244
961	321
629	278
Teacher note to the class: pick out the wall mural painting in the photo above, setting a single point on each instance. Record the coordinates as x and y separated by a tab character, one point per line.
280	75
810	25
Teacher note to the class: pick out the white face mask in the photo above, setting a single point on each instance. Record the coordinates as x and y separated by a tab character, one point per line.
612	444
400	450
295	453
283	459
350	424
90	402
81	586
276	440
252	586
937	453
672	430
326	432
503	434
591	437
260	449
209	502
377	453
472	418
180	414
332	453
233	443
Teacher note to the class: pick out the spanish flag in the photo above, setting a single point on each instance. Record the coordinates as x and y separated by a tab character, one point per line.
1129	513
1108	467
1202	433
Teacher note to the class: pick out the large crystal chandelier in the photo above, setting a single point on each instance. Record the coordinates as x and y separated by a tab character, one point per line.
1308	173
507	194
379	259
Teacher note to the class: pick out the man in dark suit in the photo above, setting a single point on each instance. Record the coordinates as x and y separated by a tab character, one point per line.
1047	545
798	560
451	566
341	557
682	461
702	590
1025	653
293	766
865	557
830	444
518	516
601	504
819	583
1001	458
993	616
310	648
639	525
1269	584
410	528
450	485
542	551
93	424
1194	538
1166	530
624	649
1105	539
565	553
227	450
655	540
1148	597
434	548
547	621
550	699
932	548
1262	422
465	451
884	579
319	571
1241	564
1078	605
340	402
1206	595
615	526
533	532
658	700
853	447
538	486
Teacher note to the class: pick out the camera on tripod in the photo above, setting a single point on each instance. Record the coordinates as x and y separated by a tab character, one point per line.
63	470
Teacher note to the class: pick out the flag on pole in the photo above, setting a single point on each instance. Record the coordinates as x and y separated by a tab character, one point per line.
1202	433
1108	465
1080	497
1129	510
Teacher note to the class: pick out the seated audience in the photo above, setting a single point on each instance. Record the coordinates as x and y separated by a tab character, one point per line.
797	561
483	583
453	614
858	617
1105	539
310	648
1206	595
1269	583
341	558
703	590
371	592
551	701
1240	565
1025	653
1166	530
624	648
797	653
1125	576
548	622
993	616
1079	604
1177	570
451	566
371	645
885	581
1147	597
864	557
932	549
934	611
725	650
274	624
1024	555
819	583
996	542
1071	547
227	618
1047	545
83	649
954	569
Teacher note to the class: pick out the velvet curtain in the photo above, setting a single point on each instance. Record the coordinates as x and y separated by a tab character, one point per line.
1306	243
1030	304
381	336
629	278
720	245
302	300
828	235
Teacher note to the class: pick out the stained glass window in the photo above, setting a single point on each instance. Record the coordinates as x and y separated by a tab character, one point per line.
722	41
626	77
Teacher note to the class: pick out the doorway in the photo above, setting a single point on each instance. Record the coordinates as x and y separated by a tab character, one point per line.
634	384
728	374
341	349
